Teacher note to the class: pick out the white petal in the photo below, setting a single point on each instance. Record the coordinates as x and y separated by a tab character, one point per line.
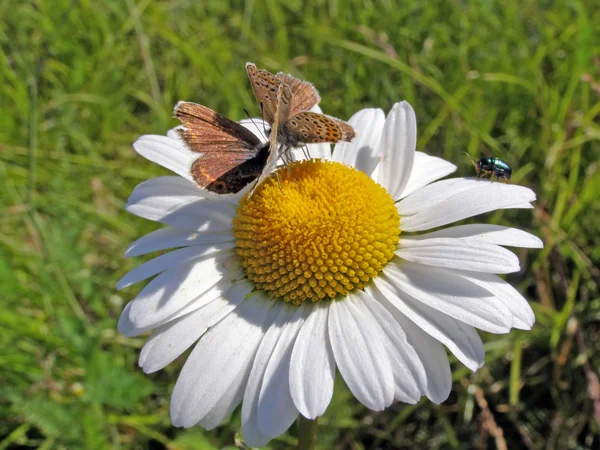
169	153
252	433
157	318
523	317
359	353
218	290
317	151
166	186
259	127
398	144
361	153
494	234
434	359
175	288
452	295
169	341
430	352
171	260
170	237
276	410
220	357
523	205
455	199
436	193
312	369
227	403
173	133
460	338
426	169
459	254
409	373
182	206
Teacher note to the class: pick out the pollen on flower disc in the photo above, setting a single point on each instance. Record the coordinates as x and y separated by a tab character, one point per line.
323	230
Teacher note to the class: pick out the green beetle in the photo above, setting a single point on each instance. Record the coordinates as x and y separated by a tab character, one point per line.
490	166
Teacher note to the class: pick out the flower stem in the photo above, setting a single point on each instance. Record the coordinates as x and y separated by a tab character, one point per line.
307	435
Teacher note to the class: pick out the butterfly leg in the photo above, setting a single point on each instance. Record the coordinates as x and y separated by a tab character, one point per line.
288	157
279	183
288	152
285	157
306	152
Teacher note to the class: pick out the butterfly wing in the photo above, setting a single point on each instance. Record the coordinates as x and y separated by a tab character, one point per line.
348	132
304	94
205	130
308	128
232	156
266	87
229	176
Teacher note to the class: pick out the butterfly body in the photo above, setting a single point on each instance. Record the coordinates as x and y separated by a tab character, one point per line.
297	125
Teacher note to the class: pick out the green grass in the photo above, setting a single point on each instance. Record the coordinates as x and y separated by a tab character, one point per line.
80	80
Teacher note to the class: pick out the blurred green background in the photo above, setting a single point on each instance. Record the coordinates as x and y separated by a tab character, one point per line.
81	80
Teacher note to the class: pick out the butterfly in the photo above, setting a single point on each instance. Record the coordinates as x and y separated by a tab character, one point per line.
296	125
231	155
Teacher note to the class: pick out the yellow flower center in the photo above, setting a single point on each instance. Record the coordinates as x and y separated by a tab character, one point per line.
322	230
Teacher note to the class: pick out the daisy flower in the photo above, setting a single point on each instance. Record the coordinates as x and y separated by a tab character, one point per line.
333	267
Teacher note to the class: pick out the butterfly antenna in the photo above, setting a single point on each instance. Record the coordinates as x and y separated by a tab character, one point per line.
255	125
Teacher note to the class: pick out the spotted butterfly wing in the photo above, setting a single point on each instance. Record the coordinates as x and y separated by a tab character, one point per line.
309	128
231	155
266	88
304	95
348	132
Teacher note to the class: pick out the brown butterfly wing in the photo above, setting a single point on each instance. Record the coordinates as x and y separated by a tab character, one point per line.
266	86
227	176
308	128
348	132
305	95
232	156
207	131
